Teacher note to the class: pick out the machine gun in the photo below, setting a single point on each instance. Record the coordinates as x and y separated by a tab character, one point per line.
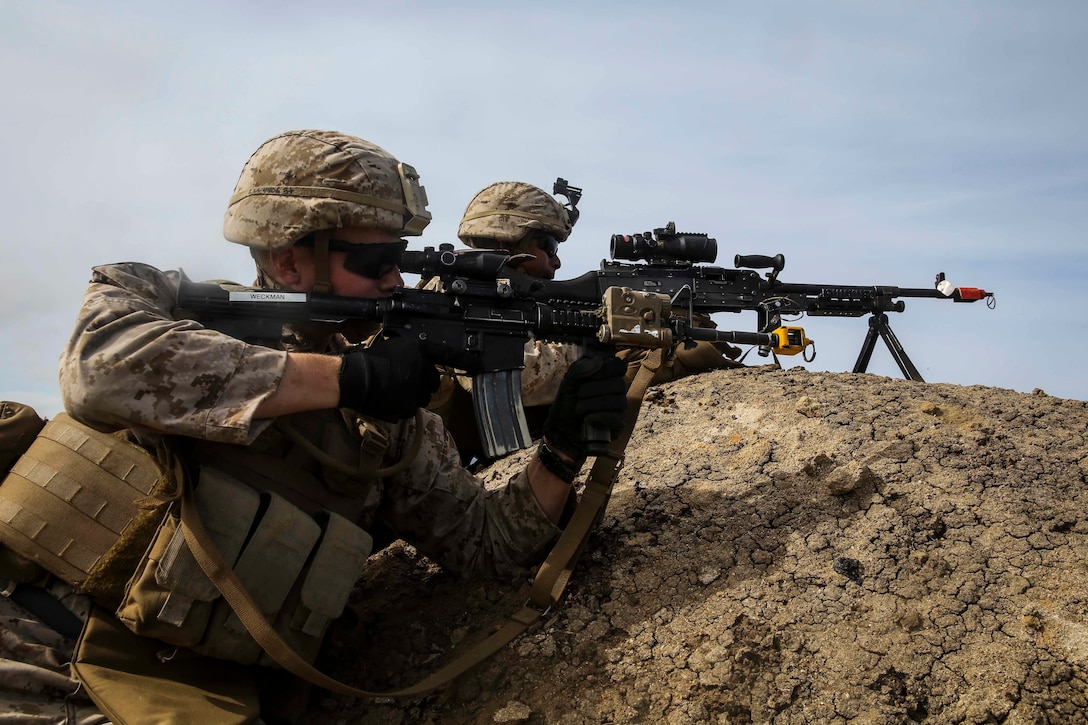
491	310
485	309
670	266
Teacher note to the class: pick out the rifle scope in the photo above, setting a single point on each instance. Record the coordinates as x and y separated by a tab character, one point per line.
665	245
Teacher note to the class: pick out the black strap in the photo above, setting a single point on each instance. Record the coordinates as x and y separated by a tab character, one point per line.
44	606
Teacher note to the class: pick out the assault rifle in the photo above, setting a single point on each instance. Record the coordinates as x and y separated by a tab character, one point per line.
484	308
671	267
490	310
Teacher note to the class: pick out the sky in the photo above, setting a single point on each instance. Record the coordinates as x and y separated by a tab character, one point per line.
870	143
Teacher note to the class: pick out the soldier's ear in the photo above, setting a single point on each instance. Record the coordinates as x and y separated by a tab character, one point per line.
286	265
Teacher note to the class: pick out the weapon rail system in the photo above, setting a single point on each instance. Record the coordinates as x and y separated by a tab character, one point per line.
676	265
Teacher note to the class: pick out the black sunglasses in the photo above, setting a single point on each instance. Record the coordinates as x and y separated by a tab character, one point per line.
373	261
548	244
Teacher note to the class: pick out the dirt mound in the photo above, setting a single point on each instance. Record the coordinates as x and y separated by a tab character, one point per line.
782	547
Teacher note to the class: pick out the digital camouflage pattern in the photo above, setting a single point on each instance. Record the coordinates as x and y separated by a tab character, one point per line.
35	686
545	365
504	212
206	385
131	365
443	510
305	181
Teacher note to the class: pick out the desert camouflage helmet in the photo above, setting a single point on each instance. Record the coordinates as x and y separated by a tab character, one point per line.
506	211
301	182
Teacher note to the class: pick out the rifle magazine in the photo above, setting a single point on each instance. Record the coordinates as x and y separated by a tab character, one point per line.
500	417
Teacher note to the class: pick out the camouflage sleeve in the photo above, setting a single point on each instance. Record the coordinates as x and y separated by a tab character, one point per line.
130	364
445	511
545	365
682	361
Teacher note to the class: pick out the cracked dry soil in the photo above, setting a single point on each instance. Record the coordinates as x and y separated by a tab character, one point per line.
781	547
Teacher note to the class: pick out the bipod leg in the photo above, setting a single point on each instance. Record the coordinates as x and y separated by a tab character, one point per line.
909	371
878	325
867	346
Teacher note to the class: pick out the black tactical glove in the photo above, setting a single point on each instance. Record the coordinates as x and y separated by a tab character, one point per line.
395	376
592	394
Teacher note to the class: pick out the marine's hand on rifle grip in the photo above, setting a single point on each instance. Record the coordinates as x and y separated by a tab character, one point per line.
395	376
589	408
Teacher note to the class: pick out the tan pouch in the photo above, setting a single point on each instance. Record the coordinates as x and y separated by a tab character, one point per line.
323	593
125	676
18	425
273	558
169	597
297	571
77	504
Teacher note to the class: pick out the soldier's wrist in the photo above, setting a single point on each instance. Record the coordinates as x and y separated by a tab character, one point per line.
559	464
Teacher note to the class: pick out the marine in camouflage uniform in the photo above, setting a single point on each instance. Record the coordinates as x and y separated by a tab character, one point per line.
320	211
529	223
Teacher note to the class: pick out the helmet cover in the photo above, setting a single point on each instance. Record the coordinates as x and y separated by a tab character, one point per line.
506	211
301	182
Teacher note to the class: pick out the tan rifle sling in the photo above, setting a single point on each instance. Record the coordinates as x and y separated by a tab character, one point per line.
547	589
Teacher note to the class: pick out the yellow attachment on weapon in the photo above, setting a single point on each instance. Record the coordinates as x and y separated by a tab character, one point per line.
792	340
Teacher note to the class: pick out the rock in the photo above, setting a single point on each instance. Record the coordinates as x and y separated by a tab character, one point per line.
513	712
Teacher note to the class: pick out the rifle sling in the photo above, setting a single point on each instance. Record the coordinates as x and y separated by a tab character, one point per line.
547	589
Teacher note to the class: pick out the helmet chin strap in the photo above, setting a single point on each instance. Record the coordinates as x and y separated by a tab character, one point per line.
322	270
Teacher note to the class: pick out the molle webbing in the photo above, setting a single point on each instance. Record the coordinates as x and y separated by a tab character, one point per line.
295	570
73	496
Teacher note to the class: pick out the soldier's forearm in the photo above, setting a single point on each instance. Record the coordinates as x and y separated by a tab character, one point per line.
310	382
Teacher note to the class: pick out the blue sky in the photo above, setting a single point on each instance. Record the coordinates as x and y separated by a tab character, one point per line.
871	143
